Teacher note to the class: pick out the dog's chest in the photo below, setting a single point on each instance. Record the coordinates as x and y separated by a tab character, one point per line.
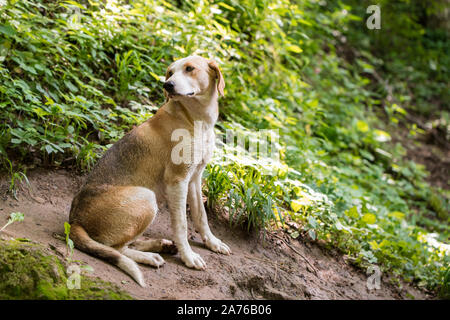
204	145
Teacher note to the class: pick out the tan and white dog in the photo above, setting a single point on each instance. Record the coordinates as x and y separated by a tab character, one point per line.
120	197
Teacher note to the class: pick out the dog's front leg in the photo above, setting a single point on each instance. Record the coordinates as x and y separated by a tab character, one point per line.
200	218
177	193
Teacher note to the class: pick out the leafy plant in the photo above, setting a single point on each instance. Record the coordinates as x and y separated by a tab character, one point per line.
77	75
445	287
15	179
13	217
69	243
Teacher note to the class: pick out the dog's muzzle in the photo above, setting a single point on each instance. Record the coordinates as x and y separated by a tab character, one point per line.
169	86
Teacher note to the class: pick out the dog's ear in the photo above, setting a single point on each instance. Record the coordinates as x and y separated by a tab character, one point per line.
220	81
167	77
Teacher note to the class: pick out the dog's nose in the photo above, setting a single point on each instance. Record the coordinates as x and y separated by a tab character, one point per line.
169	86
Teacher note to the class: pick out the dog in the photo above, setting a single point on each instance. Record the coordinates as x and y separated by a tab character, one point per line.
141	172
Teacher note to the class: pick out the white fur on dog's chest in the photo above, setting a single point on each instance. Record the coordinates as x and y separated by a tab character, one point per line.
208	143
203	143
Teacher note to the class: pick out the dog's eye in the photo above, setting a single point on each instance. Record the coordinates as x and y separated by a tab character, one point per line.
189	68
170	73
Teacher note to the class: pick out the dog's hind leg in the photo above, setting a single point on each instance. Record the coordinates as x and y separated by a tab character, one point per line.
85	243
149	258
105	218
155	245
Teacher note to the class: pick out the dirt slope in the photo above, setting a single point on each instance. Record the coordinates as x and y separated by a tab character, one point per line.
254	271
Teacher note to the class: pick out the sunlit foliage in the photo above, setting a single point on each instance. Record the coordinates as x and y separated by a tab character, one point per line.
76	75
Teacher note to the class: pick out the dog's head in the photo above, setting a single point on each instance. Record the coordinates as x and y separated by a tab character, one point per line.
191	77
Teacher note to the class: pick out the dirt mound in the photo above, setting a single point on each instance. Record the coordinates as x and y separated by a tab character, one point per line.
274	268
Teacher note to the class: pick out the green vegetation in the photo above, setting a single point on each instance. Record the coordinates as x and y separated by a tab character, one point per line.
69	243
76	75
13	217
27	272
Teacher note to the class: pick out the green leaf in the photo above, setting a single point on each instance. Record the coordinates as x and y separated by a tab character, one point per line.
382	136
16	216
366	155
67	233
13	217
70	86
362	126
312	234
154	75
7	30
296	205
70	244
75	3
353	212
66	228
397	214
312	222
295	234
374	245
383	153
369	218
49	149
294	48
226	6
87	268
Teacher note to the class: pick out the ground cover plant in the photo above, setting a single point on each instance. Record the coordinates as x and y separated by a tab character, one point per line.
76	75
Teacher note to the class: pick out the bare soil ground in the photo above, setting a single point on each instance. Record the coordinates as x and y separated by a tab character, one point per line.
257	269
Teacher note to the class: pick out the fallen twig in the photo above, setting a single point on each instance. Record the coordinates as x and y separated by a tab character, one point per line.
293	249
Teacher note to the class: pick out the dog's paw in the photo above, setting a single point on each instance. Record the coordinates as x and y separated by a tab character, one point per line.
152	259
216	245
168	246
193	260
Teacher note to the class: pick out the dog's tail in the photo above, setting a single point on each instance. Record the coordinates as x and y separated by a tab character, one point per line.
86	244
